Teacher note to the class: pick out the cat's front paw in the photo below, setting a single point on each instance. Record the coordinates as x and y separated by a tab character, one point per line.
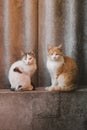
49	88
31	88
46	88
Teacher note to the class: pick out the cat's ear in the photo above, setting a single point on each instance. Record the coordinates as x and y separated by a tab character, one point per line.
60	46
32	53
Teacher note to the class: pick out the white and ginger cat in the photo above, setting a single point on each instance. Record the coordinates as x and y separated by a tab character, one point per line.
63	70
21	71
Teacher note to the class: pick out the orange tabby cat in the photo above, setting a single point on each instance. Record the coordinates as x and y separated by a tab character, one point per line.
63	70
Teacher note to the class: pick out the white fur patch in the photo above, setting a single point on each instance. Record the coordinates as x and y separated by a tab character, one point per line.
24	79
61	81
53	67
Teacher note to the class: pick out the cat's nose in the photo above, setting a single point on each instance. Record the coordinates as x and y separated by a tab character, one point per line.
54	57
12	89
30	58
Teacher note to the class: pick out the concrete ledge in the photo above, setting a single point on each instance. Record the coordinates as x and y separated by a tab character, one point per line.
42	110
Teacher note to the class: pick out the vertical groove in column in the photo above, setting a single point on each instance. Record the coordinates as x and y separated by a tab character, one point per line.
70	36
51	28
82	42
30	28
6	29
2	83
13	32
6	38
16	28
30	25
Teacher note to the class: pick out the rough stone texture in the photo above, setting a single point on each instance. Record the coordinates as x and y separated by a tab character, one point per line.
41	110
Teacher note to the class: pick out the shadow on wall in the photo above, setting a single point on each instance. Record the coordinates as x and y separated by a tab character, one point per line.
82	41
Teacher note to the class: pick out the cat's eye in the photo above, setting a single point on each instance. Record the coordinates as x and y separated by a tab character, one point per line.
30	58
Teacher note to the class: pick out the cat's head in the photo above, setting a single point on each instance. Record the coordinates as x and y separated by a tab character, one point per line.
55	53
28	58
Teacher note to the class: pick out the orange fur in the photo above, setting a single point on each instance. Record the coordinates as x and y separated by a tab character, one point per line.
68	70
55	49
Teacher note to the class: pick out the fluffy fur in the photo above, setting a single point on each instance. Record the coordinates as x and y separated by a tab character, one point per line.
63	71
21	71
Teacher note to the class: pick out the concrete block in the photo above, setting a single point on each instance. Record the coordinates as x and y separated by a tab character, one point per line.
41	110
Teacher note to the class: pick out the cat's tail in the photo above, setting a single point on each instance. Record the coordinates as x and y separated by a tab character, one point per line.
66	88
16	69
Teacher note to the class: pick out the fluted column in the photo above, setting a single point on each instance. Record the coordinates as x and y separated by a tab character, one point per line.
51	28
13	32
2	72
30	25
20	30
70	28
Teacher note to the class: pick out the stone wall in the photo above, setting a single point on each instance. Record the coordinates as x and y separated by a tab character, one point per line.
41	110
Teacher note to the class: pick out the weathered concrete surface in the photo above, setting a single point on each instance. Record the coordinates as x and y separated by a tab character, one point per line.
41	110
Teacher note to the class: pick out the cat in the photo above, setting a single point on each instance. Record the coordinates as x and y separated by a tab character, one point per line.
63	70
21	72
